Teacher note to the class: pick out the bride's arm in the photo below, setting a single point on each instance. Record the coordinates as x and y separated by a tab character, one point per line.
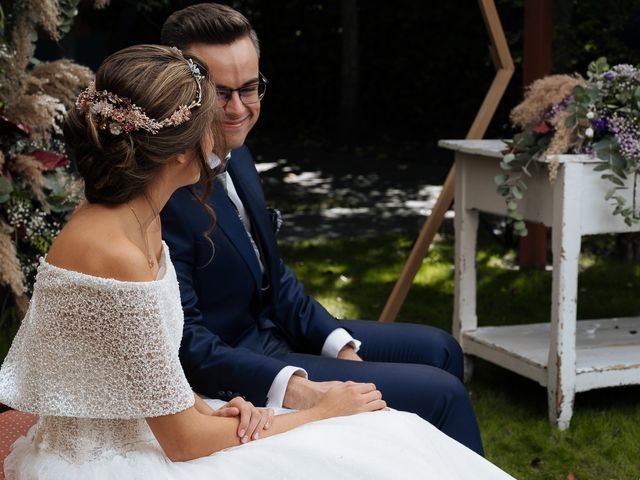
252	420
189	434
202	407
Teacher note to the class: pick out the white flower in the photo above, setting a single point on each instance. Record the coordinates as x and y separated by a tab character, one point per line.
115	128
589	132
591	115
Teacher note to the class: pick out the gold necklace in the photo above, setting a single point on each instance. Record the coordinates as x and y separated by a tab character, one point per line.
150	258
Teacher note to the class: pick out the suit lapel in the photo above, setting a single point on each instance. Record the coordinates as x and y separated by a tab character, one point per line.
228	221
260	224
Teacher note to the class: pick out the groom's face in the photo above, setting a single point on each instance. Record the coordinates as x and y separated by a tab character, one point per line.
233	66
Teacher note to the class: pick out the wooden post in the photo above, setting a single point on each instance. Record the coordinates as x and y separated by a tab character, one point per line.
538	30
504	66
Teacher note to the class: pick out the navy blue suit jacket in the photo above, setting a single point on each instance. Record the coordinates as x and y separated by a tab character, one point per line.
232	326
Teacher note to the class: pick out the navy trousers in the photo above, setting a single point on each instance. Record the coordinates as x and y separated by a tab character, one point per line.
417	368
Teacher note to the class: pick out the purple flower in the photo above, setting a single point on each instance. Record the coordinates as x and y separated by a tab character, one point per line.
600	125
627	135
557	108
608	76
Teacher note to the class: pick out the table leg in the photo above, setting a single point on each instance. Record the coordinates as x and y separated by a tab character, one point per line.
466	233
566	238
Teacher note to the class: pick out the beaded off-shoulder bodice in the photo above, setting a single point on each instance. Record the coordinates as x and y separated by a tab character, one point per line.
93	357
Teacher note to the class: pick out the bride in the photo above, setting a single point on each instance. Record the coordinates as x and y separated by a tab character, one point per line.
96	356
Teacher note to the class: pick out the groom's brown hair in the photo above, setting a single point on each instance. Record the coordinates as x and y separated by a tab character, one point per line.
207	23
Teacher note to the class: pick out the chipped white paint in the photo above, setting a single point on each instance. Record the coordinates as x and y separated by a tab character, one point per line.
564	355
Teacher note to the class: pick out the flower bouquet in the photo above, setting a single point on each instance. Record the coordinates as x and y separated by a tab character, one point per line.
38	189
563	114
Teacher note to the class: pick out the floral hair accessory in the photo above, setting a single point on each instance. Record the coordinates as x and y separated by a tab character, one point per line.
118	114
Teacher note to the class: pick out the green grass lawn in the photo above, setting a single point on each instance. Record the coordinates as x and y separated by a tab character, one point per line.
354	278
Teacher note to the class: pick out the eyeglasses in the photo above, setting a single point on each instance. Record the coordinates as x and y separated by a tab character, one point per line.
248	94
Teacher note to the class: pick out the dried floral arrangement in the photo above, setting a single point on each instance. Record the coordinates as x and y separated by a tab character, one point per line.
38	189
563	114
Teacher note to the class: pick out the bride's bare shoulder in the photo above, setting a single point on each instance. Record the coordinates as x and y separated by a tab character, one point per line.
96	246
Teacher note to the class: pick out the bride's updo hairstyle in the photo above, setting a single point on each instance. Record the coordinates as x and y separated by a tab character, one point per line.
149	103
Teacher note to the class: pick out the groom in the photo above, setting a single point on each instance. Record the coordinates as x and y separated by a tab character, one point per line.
250	329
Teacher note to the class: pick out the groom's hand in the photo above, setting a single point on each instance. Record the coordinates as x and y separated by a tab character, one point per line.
302	393
349	353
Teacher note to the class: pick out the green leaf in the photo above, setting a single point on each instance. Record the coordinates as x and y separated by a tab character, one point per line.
520	228
613	179
503	190
508	158
571	121
6	188
610	193
607	150
516	192
501	179
505	166
601	167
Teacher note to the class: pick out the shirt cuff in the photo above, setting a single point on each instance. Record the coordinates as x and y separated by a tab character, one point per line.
275	395
336	341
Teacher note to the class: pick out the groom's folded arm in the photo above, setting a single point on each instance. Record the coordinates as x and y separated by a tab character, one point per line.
307	324
219	370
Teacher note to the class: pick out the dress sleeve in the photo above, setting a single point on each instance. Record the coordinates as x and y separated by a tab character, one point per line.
97	348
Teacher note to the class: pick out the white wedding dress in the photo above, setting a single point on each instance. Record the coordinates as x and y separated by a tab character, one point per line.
94	356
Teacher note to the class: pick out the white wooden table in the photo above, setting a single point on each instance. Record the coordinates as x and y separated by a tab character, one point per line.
565	355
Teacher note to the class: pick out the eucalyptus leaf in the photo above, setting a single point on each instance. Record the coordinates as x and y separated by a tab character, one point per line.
610	193
501	179
516	192
571	121
503	190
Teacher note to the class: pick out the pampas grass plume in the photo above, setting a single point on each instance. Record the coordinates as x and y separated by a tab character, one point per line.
62	79
541	95
45	13
30	170
10	272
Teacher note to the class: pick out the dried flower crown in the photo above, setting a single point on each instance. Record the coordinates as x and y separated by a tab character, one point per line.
119	114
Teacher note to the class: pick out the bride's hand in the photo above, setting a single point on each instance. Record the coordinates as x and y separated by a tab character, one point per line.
252	420
349	398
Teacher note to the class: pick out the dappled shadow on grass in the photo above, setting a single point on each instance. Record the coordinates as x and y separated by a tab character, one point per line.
352	192
512	410
363	272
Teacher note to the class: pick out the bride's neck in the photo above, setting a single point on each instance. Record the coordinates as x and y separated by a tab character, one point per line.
146	207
